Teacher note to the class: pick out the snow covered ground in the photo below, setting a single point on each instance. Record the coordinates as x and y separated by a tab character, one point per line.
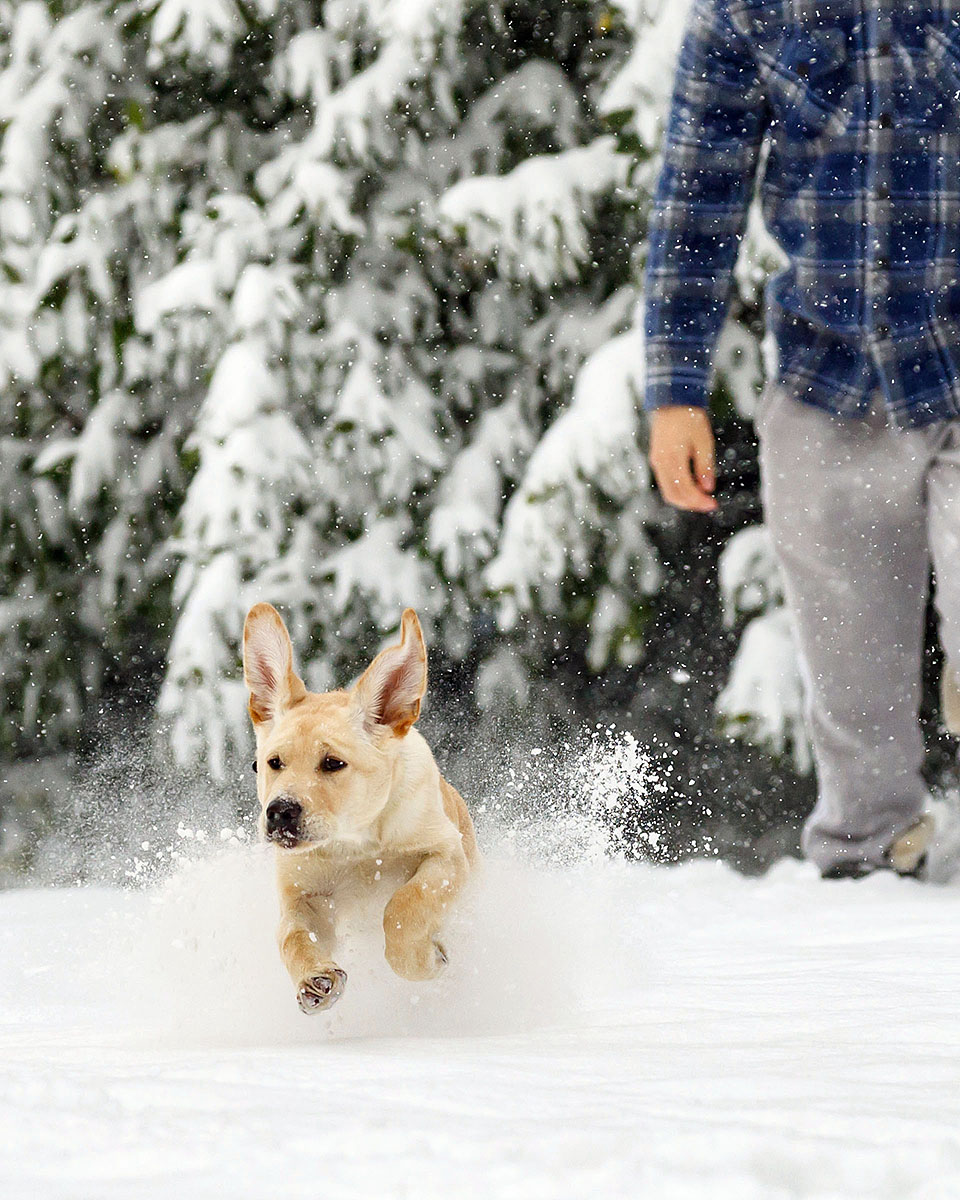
607	1030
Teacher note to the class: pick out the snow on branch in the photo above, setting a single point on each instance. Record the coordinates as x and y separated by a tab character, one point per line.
19	359
465	522
537	92
639	13
255	467
223	243
190	287
763	702
411	18
96	454
643	85
558	520
205	29
346	116
57	76
231	231
25	48
298	182
412	35
264	300
83	241
379	570
750	579
201	695
760	256
303	66
532	221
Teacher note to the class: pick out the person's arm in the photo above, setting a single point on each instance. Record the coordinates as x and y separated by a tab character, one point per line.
712	145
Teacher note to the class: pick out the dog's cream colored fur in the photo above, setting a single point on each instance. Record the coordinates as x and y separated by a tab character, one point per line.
386	814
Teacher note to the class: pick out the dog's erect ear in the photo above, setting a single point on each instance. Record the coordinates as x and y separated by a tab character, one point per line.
390	690
268	665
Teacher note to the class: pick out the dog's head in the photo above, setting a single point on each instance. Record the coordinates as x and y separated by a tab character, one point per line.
325	762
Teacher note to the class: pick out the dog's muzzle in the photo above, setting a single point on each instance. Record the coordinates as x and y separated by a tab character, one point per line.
283	821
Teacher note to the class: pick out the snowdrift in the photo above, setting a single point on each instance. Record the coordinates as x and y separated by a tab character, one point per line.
604	1028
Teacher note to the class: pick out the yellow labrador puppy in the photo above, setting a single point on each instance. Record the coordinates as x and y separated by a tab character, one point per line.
349	795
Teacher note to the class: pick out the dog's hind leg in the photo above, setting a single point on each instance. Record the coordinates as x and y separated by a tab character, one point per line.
307	937
414	916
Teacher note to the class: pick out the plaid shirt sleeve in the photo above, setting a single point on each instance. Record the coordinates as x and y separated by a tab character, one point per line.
712	145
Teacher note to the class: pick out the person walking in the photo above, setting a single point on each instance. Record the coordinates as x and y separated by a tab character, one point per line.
844	115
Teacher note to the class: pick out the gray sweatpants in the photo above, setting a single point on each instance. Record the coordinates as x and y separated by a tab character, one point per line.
858	511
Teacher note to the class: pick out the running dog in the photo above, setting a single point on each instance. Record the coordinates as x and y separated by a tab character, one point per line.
350	796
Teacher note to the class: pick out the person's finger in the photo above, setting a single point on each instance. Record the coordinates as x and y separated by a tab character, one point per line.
693	497
669	474
704	461
678	487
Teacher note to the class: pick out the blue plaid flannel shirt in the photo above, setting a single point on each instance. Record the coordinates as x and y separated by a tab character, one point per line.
853	107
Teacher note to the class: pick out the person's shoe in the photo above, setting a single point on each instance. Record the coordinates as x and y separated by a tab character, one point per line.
950	700
848	870
908	854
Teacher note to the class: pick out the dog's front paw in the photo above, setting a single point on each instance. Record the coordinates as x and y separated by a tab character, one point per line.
417	961
321	991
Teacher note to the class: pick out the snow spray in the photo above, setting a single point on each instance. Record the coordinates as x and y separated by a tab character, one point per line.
539	929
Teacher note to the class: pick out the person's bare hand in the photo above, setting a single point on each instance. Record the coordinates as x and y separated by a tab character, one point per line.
682	455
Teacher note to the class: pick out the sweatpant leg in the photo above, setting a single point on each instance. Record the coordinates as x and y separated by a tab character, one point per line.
845	503
943	503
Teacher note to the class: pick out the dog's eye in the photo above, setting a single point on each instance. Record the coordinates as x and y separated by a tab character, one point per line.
254	765
332	764
275	763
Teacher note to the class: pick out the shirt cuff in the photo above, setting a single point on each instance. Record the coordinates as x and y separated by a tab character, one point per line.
688	391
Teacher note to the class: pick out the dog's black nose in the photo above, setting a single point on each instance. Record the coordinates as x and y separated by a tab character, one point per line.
283	819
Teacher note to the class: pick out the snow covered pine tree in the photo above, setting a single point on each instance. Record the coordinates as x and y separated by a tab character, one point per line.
331	303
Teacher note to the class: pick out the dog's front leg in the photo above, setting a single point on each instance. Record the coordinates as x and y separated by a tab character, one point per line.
413	918
306	937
